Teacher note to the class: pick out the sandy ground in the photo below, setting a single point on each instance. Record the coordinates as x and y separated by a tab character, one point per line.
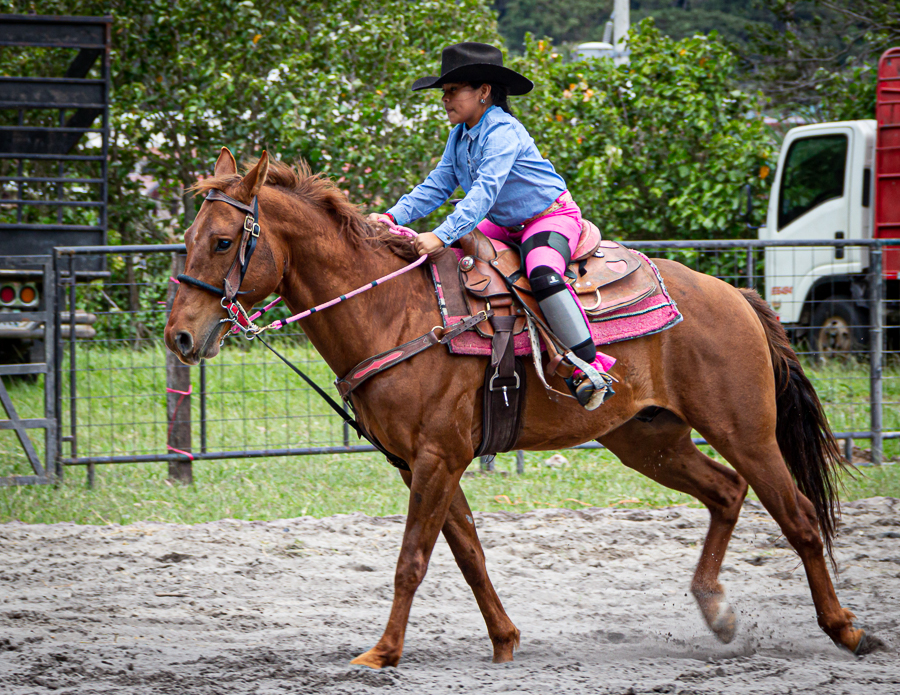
601	598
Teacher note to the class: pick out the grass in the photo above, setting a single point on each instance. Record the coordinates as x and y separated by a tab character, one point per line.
254	402
324	485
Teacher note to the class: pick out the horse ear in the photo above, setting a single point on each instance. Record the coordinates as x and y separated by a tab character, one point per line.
225	164
256	177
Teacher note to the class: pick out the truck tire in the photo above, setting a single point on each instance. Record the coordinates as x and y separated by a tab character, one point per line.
838	329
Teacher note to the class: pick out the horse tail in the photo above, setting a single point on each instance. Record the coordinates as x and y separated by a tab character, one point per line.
802	431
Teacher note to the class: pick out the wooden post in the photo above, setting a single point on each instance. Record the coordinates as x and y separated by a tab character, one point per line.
178	378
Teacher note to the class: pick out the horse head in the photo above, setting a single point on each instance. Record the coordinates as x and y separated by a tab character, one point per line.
216	243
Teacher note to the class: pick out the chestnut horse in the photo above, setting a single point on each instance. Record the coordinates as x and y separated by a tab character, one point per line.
726	371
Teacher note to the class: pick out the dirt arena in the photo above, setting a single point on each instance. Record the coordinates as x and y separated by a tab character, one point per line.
601	597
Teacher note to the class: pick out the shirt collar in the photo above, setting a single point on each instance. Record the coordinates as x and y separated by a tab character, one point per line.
472	133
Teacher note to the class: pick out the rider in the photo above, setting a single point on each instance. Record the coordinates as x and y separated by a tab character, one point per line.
512	193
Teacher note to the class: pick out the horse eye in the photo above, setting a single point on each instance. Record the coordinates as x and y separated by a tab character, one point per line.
223	245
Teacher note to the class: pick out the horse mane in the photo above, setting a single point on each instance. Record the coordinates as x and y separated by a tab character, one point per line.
321	192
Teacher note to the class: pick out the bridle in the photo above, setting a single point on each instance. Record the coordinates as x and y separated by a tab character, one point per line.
238	317
234	278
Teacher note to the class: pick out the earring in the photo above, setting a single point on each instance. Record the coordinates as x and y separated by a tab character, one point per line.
482	101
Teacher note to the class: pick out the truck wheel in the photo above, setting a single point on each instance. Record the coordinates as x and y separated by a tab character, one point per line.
838	329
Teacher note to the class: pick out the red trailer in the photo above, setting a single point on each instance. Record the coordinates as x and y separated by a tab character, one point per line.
887	159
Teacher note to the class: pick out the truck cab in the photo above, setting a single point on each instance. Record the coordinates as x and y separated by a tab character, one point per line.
835	181
822	190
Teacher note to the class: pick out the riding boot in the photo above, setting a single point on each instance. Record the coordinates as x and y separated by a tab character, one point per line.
589	383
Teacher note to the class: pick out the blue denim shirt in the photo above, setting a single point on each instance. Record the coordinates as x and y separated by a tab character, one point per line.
498	166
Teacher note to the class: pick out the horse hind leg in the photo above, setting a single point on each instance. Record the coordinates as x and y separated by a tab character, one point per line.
663	451
768	475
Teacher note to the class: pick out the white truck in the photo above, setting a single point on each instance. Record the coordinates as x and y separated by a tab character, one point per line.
837	181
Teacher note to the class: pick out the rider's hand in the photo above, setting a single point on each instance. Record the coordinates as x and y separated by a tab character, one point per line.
428	243
379	218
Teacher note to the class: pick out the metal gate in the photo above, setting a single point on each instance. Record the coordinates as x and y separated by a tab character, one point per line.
53	179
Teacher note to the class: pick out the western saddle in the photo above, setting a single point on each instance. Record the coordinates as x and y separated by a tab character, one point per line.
490	276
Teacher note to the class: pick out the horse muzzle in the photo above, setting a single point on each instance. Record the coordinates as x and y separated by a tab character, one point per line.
190	349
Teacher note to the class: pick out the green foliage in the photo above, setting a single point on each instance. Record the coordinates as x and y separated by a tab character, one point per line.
323	81
583	20
848	95
819	58
580	20
658	149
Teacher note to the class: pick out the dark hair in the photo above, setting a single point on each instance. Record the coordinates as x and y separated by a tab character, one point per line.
499	95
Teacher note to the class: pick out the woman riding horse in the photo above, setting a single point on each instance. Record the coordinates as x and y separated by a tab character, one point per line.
512	194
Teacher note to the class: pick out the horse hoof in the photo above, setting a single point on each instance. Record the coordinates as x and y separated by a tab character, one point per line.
868	644
503	657
371	660
718	614
503	651
725	623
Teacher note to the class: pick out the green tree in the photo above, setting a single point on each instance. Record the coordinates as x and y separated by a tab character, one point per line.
579	21
819	58
658	149
325	81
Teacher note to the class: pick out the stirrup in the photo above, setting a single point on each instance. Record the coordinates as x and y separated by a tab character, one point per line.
591	388
589	396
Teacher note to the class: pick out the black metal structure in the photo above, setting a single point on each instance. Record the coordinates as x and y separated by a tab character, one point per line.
48	470
44	118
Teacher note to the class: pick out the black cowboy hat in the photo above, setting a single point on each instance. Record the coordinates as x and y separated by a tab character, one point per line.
475	62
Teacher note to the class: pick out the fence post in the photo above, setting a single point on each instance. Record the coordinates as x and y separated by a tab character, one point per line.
73	372
178	404
520	462
876	320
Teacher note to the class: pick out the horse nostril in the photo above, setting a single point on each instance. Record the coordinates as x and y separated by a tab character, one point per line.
184	342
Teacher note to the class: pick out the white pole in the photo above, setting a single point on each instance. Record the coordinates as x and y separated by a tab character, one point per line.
621	24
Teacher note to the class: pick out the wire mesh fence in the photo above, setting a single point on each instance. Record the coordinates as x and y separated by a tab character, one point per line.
114	385
114	406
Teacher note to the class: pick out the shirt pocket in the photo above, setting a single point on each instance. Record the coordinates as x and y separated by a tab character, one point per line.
474	157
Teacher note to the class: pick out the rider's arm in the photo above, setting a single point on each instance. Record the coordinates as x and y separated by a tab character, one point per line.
501	147
433	192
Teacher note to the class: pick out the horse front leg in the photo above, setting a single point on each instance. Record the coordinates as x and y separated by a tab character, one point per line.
460	534
431	491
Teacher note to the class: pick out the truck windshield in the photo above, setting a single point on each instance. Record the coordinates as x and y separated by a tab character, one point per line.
813	173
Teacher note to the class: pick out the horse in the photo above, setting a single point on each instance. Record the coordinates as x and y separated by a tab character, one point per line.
727	371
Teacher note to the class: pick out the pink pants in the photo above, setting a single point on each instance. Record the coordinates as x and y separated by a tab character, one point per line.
566	221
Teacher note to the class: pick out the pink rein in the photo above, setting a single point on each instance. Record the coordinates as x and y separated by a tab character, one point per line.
280	323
